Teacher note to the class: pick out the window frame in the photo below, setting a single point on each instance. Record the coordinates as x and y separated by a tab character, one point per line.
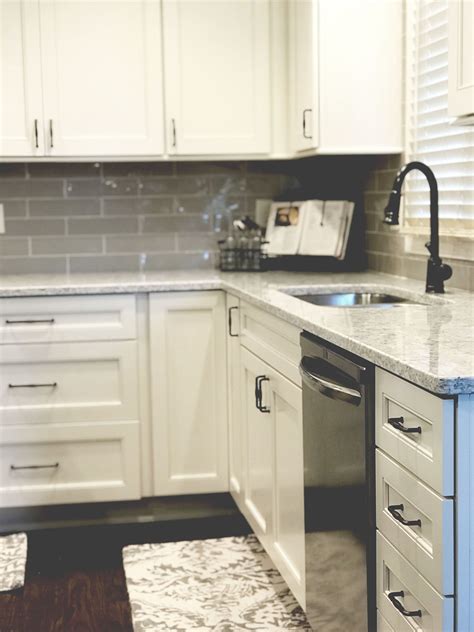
458	234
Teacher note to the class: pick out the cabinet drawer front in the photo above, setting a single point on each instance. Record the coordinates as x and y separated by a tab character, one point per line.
271	339
68	383
429	547
58	464
394	575
382	624
67	318
428	453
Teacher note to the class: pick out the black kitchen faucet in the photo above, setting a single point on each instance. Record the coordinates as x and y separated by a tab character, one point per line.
437	271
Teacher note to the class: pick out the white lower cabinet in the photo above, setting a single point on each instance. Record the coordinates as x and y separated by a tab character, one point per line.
258	450
236	481
406	600
273	463
53	464
188	392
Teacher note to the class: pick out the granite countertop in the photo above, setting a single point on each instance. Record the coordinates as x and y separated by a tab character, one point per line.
429	344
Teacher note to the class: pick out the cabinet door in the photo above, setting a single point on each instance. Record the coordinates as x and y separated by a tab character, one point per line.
102	77
461	58
258	459
234	399
288	537
217	74
20	79
303	74
189	396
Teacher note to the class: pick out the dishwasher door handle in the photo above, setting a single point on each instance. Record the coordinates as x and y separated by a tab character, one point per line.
326	386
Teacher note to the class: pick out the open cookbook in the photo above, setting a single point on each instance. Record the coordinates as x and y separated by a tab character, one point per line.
311	227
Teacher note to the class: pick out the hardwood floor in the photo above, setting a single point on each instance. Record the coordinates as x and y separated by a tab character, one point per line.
75	580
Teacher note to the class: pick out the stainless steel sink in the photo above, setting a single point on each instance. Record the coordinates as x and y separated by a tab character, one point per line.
353	299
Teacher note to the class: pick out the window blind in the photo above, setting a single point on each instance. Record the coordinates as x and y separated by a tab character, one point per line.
447	149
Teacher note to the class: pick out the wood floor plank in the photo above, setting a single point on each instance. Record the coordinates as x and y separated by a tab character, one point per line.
75	580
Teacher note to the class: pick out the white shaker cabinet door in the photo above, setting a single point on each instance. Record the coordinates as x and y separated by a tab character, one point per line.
188	392
303	71
259	449
236	464
289	545
20	79
102	77
217	76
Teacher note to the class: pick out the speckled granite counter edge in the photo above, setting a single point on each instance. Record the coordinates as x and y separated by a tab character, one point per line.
432	383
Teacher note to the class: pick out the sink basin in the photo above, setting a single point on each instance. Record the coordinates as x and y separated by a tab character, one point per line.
353	299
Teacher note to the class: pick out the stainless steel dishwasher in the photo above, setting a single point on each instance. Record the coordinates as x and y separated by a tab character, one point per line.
339	456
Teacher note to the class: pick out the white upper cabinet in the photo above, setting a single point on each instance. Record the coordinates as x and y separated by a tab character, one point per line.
217	76
461	59
303	74
346	76
102	77
20	79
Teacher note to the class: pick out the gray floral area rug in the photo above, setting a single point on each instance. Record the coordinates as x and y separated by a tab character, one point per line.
12	561
223	585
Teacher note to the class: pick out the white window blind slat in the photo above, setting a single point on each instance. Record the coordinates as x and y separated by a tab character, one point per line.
447	149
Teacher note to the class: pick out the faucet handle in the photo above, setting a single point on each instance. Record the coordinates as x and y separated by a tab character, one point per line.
445	271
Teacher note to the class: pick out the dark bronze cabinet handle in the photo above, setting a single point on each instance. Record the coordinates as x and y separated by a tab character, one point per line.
394	511
305	135
230	322
173	126
53	466
258	393
397	423
46	385
36	134
39	321
51	136
406	613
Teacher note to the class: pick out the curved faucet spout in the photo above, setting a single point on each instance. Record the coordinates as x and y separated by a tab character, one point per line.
437	271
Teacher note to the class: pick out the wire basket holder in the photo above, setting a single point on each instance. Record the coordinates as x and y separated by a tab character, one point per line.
242	259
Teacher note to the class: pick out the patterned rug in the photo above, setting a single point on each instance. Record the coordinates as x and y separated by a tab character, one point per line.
12	561
224	585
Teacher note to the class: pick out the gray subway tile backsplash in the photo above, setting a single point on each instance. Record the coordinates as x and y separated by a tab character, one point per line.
14	208
30	226
33	265
64	208
92	217
14	246
139	205
140	243
66	245
89	216
110	263
102	225
177	223
184	185
29	188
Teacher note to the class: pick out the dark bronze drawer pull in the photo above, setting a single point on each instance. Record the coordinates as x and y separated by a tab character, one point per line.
395	509
406	613
53	466
46	385
39	321
258	393
397	423
231	333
